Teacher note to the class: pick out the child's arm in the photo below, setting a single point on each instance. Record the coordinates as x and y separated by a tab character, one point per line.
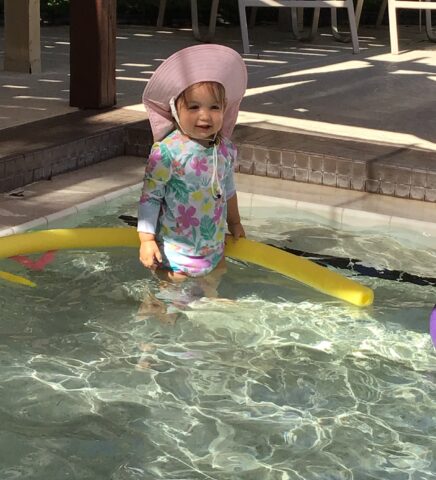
233	218
157	173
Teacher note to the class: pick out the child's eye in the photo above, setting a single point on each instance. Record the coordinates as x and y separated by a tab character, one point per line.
193	107
216	107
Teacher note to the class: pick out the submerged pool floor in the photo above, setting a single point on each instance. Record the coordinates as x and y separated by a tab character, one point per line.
272	380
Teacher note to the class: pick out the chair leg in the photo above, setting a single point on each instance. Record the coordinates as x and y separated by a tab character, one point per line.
315	22
337	35
161	14
243	24
354	20
212	21
431	34
393	29
253	12
359	6
296	24
353	26
381	13
194	20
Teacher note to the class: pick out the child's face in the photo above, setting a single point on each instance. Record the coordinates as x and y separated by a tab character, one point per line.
200	113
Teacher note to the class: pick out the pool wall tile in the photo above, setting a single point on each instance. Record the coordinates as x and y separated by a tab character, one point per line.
419	178
329	164
288	173
316	163
417	193
358	184
358	175
301	175
246	159
431	180
372	186
403	176
302	160
387	188
274	164
344	167
402	191
329	179
260	161
430	194
315	177
343	181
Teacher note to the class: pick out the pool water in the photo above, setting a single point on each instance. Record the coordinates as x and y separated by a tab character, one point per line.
273	380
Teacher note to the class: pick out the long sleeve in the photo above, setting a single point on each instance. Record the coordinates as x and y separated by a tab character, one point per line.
157	174
229	180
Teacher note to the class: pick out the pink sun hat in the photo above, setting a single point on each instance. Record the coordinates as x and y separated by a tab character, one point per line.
200	63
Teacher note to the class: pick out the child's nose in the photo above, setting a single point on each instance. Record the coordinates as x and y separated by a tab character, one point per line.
204	113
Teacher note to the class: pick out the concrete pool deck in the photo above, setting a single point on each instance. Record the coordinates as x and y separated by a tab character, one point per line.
331	112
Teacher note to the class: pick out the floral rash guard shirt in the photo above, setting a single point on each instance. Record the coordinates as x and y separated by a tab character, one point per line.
178	205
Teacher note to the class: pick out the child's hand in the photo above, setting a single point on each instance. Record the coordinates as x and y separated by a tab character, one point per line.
149	254
237	230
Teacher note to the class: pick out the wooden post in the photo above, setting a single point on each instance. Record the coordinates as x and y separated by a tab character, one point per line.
22	36
92	53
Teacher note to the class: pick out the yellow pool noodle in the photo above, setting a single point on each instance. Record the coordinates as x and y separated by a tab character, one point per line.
298	268
10	277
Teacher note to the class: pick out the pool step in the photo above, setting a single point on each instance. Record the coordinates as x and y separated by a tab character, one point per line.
39	150
357	165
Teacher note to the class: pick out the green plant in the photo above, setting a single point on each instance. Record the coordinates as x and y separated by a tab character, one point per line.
55	10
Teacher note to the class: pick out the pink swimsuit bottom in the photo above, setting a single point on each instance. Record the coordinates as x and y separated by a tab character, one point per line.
193	266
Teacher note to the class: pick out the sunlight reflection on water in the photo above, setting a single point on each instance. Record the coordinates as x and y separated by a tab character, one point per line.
275	382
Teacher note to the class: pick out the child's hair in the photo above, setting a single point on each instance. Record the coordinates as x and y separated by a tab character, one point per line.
215	88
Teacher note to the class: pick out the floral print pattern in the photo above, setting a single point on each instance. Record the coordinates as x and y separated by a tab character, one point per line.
178	205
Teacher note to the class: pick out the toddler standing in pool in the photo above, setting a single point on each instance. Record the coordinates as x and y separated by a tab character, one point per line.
188	197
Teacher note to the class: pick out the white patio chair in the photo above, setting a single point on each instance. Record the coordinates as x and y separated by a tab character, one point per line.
428	25
194	19
296	22
316	4
293	4
393	5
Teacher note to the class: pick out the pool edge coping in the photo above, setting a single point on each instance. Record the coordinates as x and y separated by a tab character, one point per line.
342	217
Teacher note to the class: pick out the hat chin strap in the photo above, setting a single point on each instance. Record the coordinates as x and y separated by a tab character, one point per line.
215	182
216	192
174	113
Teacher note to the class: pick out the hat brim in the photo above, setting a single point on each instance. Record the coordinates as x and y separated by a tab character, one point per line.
200	63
